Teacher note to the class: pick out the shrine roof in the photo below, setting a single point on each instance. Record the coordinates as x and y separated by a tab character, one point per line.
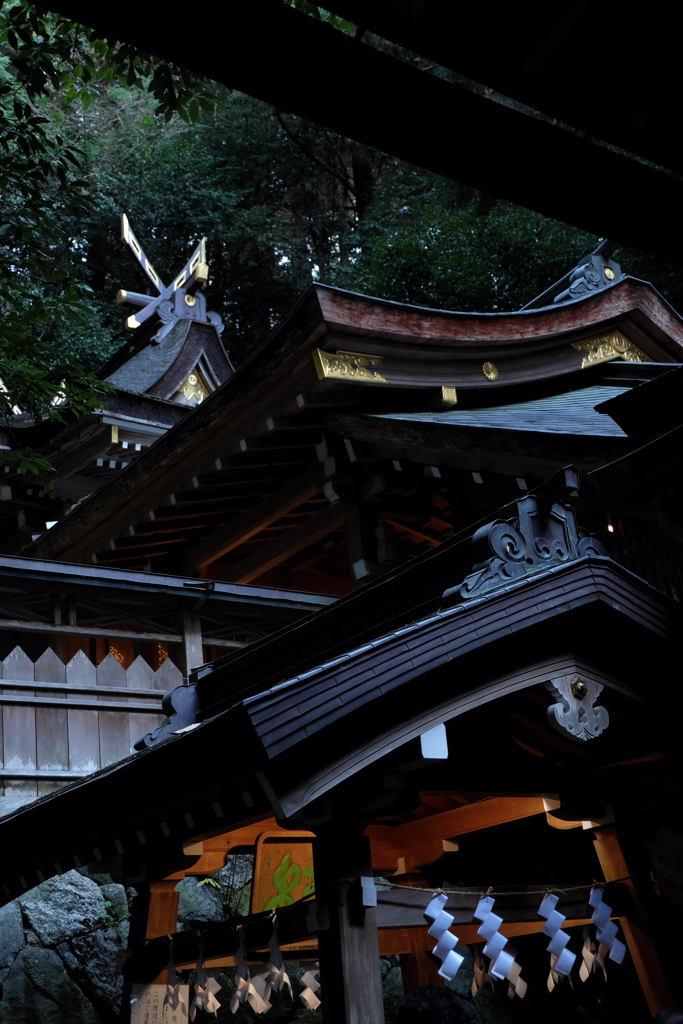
571	413
144	368
290	743
300	383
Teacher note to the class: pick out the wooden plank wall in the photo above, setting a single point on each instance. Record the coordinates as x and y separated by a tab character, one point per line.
59	722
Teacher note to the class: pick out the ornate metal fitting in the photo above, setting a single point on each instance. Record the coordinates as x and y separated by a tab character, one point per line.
543	534
575	713
347	366
490	371
614	345
579	688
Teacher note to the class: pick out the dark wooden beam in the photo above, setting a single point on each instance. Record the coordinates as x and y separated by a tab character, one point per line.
274	52
288	543
406	847
251	522
533	59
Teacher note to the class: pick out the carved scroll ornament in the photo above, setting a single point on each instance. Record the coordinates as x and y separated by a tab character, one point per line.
575	713
542	535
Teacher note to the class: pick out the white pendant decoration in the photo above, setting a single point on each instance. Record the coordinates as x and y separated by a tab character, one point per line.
245	989
445	939
516	984
605	930
205	988
278	976
308	979
501	962
173	997
554	978
481	976
587	957
557	947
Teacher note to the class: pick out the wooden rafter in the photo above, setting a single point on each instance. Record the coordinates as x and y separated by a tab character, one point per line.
251	522
287	544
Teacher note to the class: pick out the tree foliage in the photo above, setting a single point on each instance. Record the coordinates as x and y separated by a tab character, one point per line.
89	128
46	63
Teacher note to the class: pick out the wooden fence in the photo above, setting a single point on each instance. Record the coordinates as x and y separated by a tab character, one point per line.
60	722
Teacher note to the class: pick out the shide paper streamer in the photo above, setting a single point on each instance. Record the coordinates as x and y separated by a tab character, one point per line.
205	988
605	930
254	986
446	940
501	962
557	947
587	957
245	989
173	997
308	997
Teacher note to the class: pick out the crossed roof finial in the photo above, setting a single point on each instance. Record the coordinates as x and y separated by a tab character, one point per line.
174	300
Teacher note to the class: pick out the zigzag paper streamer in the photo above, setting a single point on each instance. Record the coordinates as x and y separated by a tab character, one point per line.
605	930
501	962
587	956
481	976
516	984
173	996
278	977
446	941
553	977
564	958
308	997
245	990
205	988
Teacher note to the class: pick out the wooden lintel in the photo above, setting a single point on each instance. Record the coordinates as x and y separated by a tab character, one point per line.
391	843
250	522
215	848
288	543
27	626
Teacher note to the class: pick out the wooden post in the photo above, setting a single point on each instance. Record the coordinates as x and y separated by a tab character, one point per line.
645	957
349	951
136	938
418	967
360	542
193	654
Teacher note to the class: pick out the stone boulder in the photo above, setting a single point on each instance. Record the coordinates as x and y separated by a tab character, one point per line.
64	907
38	990
11	934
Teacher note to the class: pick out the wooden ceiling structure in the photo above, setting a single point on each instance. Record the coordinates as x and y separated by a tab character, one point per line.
601	156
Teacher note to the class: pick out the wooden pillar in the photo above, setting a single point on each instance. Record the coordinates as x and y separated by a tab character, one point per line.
418	967
193	653
645	956
349	951
136	938
361	549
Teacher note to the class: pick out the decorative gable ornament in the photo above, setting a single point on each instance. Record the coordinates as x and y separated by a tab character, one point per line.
575	713
543	534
